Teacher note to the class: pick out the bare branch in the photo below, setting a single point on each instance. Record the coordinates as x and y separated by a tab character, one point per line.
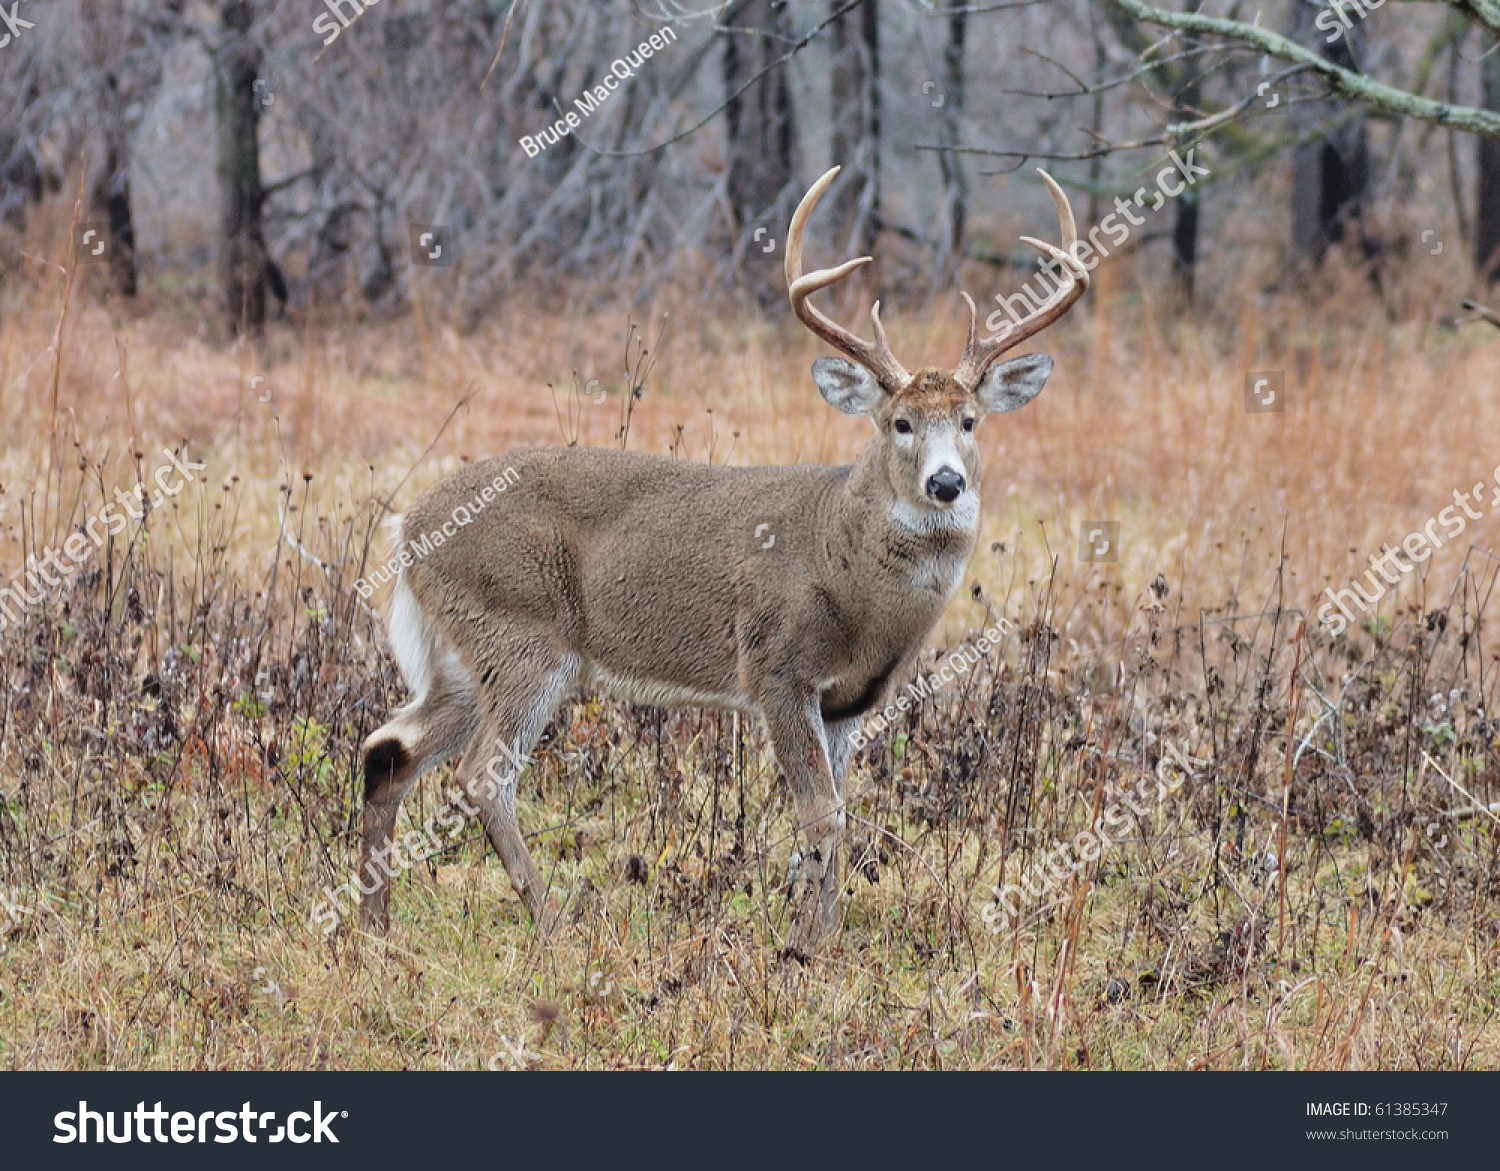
1344	81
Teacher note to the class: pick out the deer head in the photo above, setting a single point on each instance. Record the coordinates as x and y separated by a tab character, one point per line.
925	422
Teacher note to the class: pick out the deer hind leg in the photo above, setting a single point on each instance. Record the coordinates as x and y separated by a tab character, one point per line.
802	751
437	723
525	681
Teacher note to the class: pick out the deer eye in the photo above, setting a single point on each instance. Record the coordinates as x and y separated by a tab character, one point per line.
969	424
903	427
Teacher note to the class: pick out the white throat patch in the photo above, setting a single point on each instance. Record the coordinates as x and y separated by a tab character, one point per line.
960	516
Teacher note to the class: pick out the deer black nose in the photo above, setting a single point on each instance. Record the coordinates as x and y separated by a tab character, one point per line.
946	485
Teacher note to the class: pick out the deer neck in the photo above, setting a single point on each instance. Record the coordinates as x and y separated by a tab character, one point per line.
906	553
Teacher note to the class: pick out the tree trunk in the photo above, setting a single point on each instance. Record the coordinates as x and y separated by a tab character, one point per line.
242	247
760	131
1185	242
111	193
855	205
1487	201
1101	71
869	35
20	179
846	118
955	193
1330	172
1185	223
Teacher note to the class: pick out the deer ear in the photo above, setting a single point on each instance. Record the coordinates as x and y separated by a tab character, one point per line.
848	388
1009	386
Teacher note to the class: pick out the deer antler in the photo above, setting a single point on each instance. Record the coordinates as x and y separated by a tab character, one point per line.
875	356
979	356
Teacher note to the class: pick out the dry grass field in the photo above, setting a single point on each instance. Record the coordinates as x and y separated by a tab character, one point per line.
181	718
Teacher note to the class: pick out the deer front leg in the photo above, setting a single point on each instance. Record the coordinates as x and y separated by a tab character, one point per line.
840	737
800	741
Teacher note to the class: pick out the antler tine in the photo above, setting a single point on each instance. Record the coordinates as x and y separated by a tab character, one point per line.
876	357
979	356
881	341
973	321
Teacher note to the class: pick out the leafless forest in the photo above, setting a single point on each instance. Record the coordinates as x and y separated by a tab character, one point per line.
300	258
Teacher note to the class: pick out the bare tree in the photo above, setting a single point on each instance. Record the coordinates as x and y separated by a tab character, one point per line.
855	113
20	173
1487	195
243	269
758	122
1330	167
1188	93
111	192
955	191
105	27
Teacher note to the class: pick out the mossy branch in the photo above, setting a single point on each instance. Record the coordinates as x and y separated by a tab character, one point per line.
1346	82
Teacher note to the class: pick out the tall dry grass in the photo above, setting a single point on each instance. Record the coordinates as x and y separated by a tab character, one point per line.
181	722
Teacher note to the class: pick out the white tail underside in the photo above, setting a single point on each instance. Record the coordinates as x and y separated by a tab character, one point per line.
415	642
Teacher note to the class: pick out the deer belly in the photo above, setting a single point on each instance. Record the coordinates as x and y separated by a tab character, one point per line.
638	688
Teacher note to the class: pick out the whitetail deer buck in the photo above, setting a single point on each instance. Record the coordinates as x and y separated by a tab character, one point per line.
648	578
